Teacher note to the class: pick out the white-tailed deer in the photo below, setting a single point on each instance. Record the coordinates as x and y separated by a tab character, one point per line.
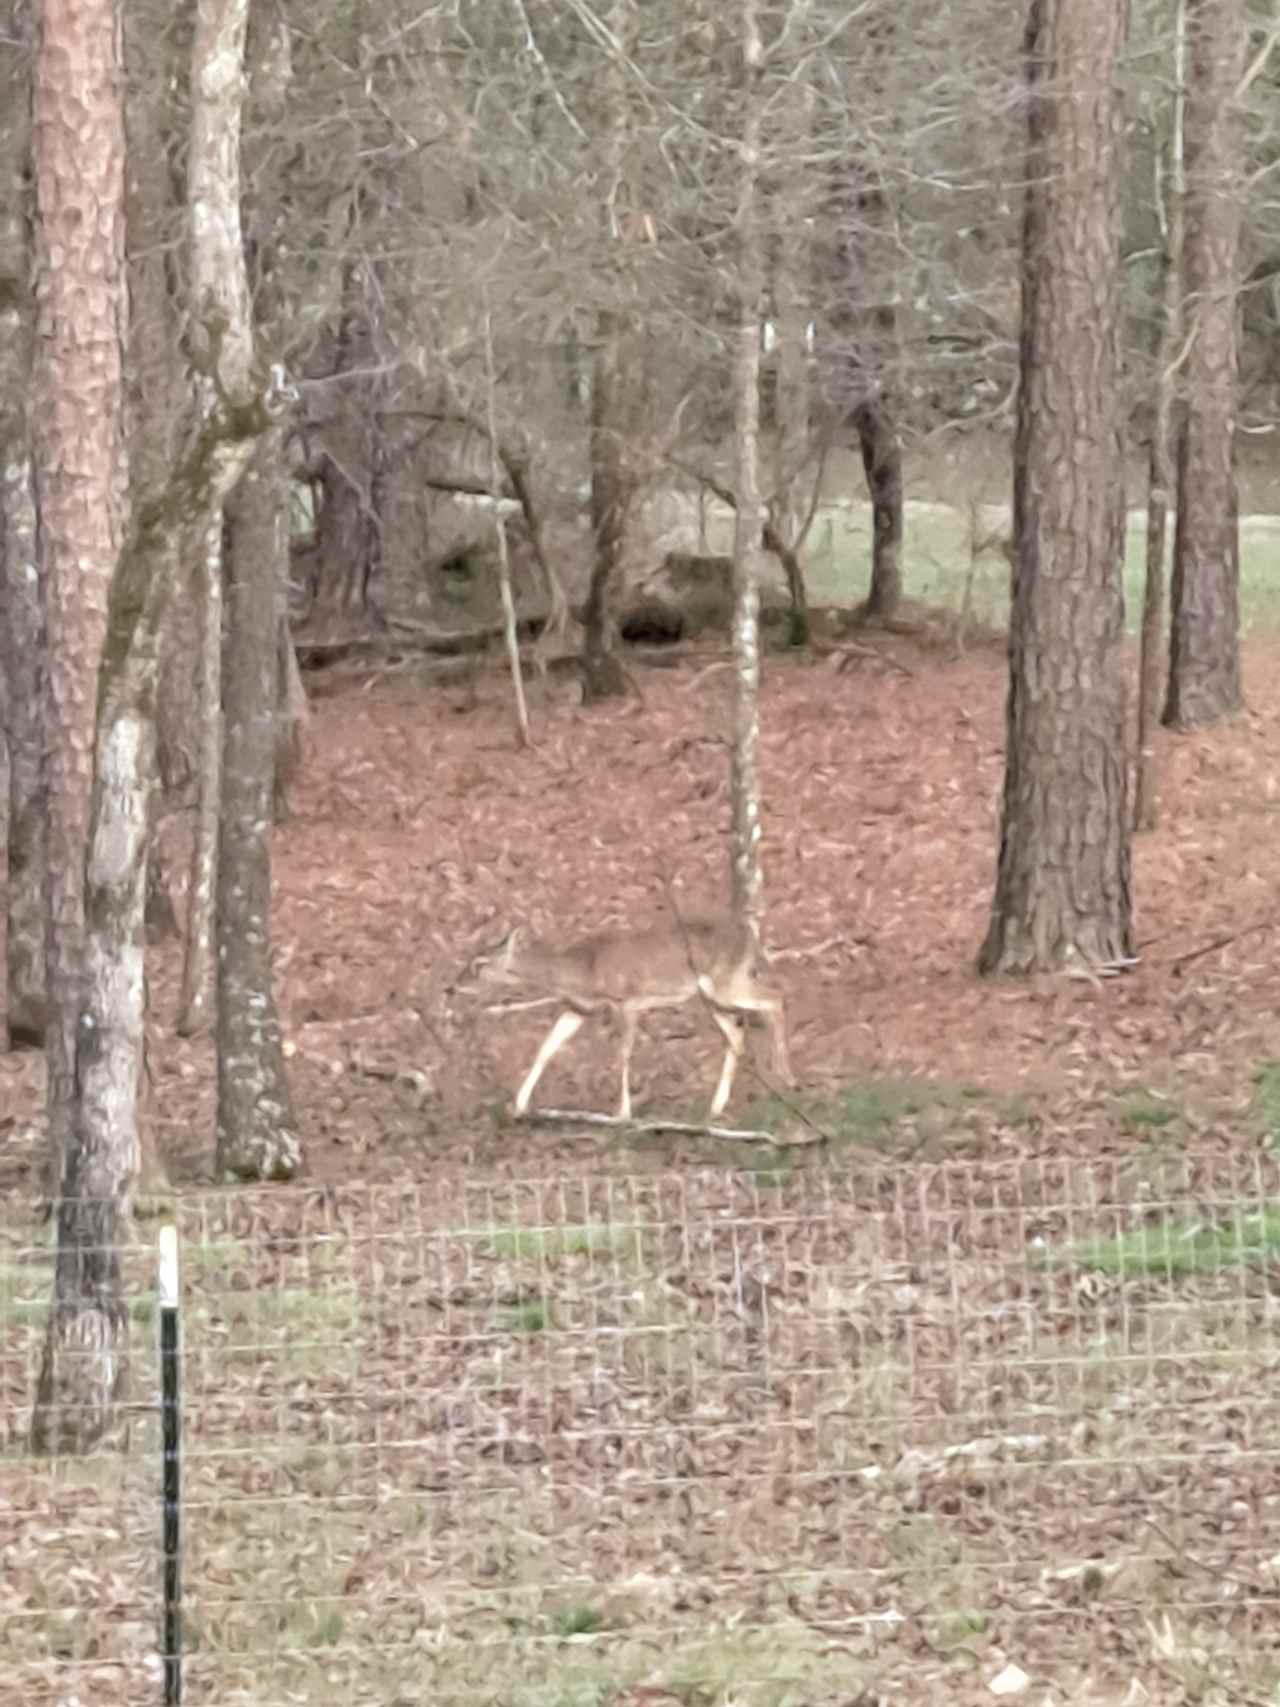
629	973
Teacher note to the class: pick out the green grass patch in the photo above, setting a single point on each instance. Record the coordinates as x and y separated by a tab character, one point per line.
1146	1111
550	1244
533	1317
1181	1247
1266	1099
577	1621
26	1290
295	1325
878	1111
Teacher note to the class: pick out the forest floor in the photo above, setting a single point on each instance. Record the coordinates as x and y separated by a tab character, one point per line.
421	833
569	1418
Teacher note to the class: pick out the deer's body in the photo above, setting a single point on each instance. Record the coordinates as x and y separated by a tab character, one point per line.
630	973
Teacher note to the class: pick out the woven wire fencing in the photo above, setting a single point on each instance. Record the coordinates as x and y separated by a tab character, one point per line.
717	1439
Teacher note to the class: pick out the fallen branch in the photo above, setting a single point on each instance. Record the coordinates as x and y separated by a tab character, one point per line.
683	1128
1175	966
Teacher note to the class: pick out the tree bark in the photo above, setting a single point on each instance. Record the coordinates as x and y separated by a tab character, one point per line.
79	463
613	396
882	464
745	864
1063	889
1167	338
84	1371
346	524
1204	653
21	617
197	959
77	424
293	711
256	1134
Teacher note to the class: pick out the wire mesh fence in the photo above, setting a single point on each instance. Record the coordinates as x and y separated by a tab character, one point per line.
793	1436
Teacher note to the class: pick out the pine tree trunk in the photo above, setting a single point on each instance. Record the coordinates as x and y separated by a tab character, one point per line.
78	455
21	616
1204	653
1063	887
77	423
256	1135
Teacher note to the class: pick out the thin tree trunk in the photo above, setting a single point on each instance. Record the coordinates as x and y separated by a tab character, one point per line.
746	869
293	710
793	305
602	674
612	411
197	960
256	1135
882	464
1167	338
1063	887
557	622
158	404
866	333
510	631
1204	652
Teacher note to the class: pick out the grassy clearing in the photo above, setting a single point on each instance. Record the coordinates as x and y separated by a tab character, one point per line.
936	561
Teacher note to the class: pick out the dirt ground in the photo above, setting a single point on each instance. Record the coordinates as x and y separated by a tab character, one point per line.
421	832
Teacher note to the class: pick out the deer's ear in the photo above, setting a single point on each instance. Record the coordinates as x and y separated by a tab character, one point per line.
515	941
